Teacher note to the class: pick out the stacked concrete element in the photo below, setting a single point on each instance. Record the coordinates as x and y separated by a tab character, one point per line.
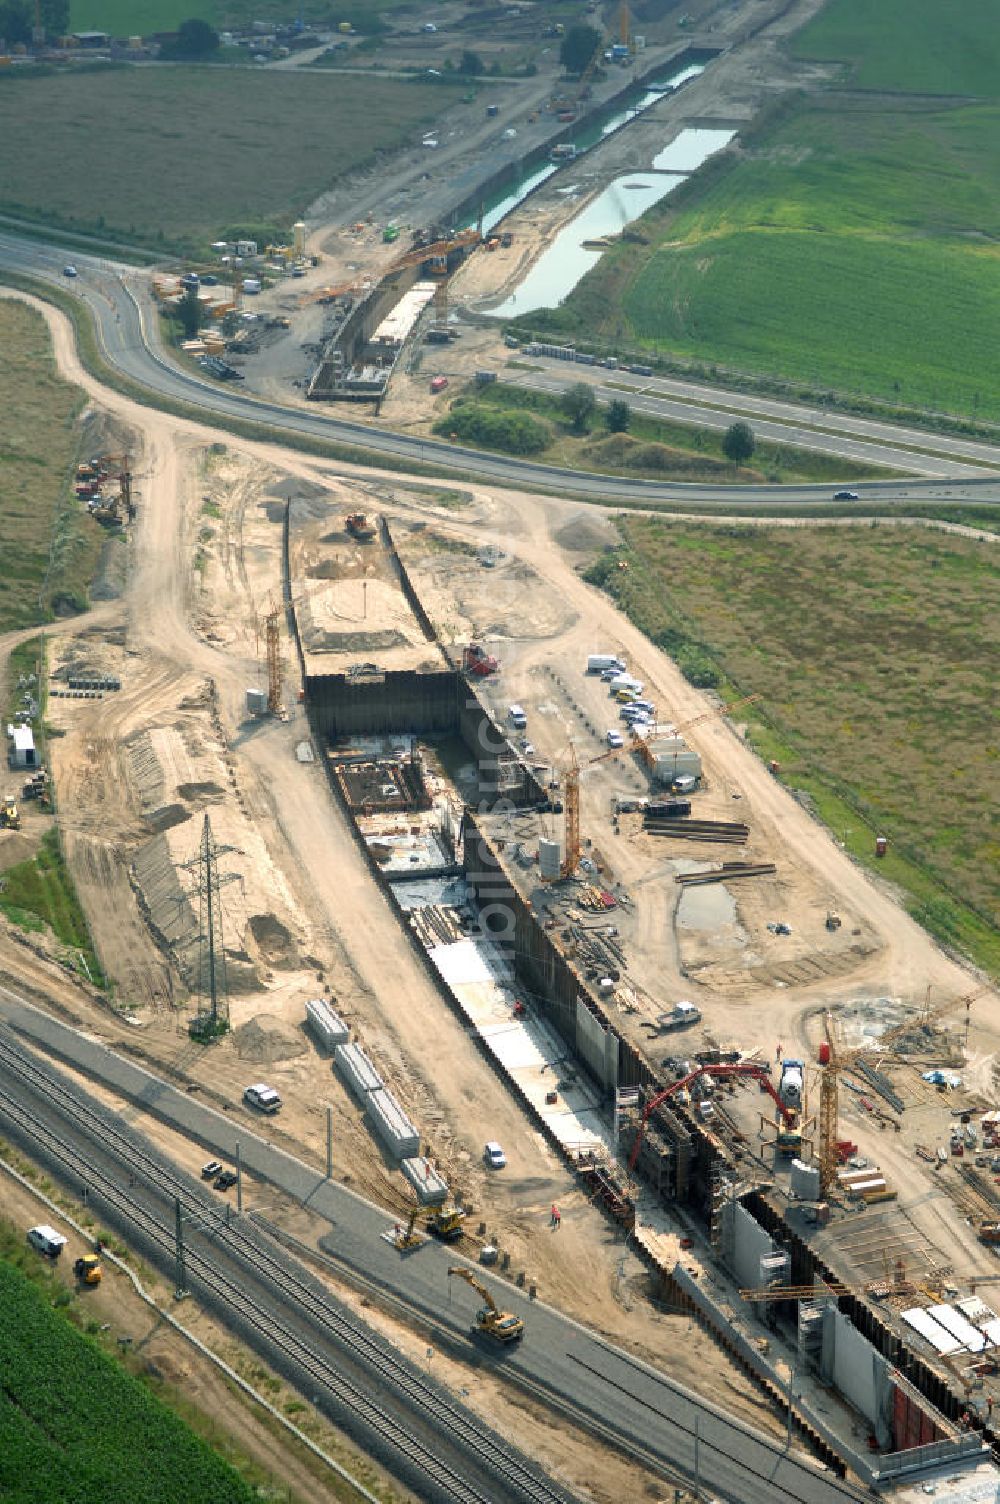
354	1067
328	1027
392	1125
388	1118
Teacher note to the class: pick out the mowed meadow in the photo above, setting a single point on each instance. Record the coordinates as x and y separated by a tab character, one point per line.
873	651
176	156
849	239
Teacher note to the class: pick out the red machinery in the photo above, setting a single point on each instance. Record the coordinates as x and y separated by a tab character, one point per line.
475	660
752	1072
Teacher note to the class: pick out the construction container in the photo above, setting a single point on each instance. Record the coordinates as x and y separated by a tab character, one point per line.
356	1070
328	1026
549	859
431	1189
485	378
391	1124
256	701
824	1053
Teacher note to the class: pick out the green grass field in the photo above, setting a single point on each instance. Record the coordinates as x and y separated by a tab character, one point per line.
917	46
176	156
49	546
847	242
873	651
74	1425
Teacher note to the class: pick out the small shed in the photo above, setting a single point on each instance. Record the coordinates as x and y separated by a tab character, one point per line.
22	751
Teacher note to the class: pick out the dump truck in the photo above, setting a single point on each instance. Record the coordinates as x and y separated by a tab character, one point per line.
500	1326
359	527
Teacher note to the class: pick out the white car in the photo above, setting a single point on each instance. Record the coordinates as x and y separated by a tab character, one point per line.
69	271
494	1156
615	739
263	1097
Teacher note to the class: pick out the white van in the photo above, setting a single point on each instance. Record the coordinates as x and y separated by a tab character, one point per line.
263	1097
517	717
46	1240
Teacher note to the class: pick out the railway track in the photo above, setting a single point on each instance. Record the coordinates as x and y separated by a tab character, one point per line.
493	1466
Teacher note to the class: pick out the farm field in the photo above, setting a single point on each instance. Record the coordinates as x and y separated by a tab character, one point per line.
847	241
206	151
873	651
75	1425
915	46
651	448
140	17
50	548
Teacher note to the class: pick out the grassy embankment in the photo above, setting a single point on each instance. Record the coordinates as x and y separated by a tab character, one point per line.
652	449
207	152
849	240
50	547
873	652
75	1425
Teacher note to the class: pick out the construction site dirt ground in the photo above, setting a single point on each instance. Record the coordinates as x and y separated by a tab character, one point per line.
185	640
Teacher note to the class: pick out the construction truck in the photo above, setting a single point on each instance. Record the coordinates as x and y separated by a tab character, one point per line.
88	1269
10	818
476	660
500	1326
790	1087
446	1222
359	527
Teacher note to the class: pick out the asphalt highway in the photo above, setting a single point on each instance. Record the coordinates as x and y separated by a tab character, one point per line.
116	296
631	1404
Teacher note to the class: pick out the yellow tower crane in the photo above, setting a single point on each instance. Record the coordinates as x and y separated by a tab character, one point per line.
571	801
838	1061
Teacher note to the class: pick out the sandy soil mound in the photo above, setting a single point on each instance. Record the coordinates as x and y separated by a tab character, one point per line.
265	1039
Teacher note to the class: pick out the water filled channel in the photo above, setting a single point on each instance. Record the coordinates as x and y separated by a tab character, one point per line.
570	256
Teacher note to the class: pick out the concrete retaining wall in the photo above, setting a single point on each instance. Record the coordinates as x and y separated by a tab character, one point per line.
328	1027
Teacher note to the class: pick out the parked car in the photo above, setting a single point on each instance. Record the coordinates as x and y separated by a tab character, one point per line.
846	496
69	271
226	1180
209	1171
263	1097
494	1156
615	739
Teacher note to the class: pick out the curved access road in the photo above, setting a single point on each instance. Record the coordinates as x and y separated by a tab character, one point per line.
115	295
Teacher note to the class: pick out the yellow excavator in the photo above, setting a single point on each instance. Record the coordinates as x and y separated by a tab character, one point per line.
10	818
499	1326
445	1222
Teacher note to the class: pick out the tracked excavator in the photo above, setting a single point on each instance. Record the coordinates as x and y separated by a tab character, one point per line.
500	1326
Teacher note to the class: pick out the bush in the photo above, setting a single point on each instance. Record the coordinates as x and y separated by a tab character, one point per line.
512	432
